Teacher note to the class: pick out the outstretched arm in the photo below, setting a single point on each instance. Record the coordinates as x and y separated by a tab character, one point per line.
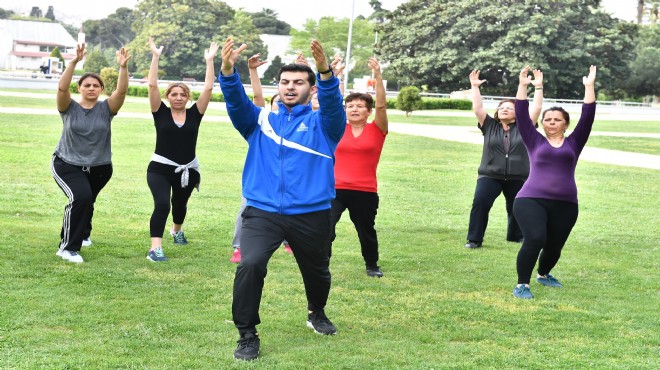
589	90
63	93
523	82
537	104
477	103
117	98
257	92
209	78
381	96
338	69
321	61
230	56
154	92
583	128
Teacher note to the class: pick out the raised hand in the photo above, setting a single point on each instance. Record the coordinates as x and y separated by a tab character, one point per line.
474	78
523	78
300	59
319	56
210	53
230	56
591	78
538	78
157	51
123	57
80	52
337	65
254	62
374	65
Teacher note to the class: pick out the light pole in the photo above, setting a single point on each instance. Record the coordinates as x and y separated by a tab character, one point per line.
348	48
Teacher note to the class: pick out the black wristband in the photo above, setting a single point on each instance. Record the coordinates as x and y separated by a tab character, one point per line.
324	72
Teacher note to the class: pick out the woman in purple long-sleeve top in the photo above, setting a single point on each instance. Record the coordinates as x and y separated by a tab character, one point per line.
547	206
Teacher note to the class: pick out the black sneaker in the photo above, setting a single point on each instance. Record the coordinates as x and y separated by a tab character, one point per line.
472	245
248	347
374	271
320	323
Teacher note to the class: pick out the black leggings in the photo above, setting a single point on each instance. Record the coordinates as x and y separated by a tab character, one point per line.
160	186
362	207
546	225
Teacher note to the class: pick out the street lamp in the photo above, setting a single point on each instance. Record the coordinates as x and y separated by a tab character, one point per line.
348	47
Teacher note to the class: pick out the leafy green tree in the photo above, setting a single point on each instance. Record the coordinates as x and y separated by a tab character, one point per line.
110	76
185	28
71	29
6	14
95	61
333	35
243	31
36	12
112	32
55	53
435	43
50	14
647	9
644	78
408	100
266	21
273	69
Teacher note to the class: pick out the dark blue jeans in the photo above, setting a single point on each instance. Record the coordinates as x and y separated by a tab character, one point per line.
488	189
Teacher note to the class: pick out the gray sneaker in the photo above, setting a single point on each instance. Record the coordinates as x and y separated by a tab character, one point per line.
179	237
157	255
549	280
522	292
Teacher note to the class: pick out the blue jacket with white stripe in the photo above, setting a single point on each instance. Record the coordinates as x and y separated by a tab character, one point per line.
289	168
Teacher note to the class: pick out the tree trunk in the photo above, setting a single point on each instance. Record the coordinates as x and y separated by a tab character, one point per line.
640	11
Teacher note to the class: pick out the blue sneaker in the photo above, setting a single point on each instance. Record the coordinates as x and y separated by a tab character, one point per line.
157	255
522	292
179	237
549	280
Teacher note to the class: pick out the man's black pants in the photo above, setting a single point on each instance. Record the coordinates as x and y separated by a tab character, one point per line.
262	233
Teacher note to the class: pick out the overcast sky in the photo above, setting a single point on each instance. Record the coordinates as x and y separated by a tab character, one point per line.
294	12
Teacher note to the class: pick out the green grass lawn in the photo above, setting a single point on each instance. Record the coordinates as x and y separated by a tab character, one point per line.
438	306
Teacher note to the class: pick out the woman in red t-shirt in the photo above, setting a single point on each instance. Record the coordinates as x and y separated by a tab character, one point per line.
356	160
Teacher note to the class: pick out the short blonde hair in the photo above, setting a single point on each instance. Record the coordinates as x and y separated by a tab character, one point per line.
185	88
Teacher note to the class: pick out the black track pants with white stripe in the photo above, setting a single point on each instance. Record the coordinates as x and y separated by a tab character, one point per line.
81	185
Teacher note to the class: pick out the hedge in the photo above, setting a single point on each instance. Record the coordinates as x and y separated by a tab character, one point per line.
437	103
427	103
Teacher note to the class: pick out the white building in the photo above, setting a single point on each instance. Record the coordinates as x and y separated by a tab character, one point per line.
24	44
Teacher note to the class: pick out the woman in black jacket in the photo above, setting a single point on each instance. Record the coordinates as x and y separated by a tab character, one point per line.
504	163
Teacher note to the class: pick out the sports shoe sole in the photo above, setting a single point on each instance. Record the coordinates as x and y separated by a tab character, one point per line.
309	325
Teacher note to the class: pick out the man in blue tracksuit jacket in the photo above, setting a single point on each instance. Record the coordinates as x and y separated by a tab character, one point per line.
288	181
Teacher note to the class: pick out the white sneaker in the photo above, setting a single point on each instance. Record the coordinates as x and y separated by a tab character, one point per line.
87	242
71	256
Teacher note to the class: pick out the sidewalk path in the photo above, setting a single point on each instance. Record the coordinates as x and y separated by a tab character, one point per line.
472	135
463	134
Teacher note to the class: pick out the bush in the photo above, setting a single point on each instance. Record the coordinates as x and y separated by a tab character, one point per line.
409	99
445	103
109	77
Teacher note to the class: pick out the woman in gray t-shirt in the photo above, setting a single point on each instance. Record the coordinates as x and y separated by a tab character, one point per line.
82	164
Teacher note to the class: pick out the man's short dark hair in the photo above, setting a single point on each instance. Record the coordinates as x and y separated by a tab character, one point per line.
311	77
